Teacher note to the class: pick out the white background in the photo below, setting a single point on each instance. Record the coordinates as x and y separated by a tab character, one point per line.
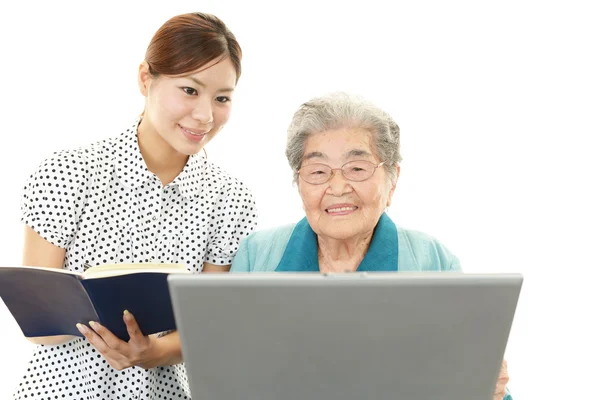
499	109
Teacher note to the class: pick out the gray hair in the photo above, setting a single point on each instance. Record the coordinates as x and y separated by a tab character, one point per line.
343	110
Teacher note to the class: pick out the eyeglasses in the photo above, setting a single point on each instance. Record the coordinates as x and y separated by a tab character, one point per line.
356	171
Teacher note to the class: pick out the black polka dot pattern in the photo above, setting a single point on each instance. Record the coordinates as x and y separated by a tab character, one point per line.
103	205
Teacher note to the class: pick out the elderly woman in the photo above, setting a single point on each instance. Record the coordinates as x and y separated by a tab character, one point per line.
345	155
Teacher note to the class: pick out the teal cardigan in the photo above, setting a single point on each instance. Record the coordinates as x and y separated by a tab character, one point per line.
294	248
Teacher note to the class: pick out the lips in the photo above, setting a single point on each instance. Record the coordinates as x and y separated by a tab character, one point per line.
195	132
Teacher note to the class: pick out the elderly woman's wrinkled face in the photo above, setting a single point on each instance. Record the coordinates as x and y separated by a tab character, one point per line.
340	208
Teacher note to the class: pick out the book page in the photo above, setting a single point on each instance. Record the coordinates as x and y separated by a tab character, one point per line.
104	270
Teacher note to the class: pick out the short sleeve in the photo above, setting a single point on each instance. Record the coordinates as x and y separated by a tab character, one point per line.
236	218
53	197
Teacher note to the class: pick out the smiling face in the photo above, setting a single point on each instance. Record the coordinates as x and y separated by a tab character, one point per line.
339	208
187	111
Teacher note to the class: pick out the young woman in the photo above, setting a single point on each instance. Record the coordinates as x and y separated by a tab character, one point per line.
144	195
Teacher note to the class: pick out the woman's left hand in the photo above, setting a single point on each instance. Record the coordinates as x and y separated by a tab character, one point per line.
500	391
142	351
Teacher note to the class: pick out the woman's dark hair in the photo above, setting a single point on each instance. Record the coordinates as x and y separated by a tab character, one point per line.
187	42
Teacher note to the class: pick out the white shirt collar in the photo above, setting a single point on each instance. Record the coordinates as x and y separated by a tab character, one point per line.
131	170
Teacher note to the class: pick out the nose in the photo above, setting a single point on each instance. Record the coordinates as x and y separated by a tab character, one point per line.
203	111
338	184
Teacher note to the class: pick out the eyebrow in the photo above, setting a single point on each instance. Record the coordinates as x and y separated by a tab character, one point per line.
357	153
203	85
314	154
351	153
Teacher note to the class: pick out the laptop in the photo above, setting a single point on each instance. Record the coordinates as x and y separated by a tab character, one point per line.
353	336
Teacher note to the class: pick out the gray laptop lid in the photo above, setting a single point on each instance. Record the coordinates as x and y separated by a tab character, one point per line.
286	336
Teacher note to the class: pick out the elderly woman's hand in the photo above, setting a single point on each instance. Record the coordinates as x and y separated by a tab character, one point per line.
501	382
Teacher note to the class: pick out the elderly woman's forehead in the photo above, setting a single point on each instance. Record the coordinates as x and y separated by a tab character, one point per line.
346	137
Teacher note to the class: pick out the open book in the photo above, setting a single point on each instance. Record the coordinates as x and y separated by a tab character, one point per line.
51	301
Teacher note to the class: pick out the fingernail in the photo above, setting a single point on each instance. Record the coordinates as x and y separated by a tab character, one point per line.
92	324
81	328
127	315
125	312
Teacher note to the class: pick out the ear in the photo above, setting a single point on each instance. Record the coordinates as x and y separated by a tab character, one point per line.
393	188
144	78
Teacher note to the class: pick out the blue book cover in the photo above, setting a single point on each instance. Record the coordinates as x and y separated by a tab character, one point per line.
49	302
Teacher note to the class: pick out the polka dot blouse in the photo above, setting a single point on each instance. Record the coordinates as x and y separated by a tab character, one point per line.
103	205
